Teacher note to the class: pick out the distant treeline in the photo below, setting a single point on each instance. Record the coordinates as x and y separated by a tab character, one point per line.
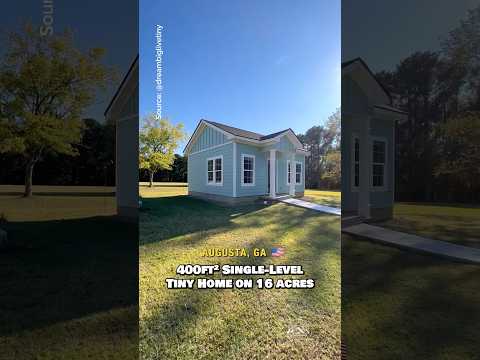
438	147
93	166
322	167
177	174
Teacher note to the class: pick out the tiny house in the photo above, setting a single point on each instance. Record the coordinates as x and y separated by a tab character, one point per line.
368	144
231	165
123	112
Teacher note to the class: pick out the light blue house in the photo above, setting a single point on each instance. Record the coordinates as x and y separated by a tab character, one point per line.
231	165
368	144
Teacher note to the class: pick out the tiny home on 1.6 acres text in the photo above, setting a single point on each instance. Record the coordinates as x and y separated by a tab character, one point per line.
231	165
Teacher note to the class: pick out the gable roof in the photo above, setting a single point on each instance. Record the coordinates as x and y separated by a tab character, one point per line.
124	80
233	132
244	133
361	62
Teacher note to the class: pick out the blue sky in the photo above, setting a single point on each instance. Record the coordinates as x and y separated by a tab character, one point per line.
87	20
383	33
261	65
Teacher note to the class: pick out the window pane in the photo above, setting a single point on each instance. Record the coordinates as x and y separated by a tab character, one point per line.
357	150
210	165
299	168
378	175
248	163
377	180
378	170
210	176
218	176
379	152
357	174
218	164
298	178
248	177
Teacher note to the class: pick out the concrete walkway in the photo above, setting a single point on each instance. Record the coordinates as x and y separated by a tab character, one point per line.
312	206
416	243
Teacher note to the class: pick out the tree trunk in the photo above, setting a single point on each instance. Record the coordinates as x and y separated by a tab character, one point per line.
151	178
28	178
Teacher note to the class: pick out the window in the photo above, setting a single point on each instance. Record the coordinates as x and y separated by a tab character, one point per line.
378	163
298	173
215	171
356	159
289	172
248	173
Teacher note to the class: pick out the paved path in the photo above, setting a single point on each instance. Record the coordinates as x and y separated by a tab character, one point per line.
417	243
312	206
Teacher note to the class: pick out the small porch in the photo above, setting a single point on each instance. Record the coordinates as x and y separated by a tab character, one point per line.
273	191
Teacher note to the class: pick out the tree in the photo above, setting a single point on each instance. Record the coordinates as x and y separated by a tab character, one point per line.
332	175
319	140
158	141
460	147
45	83
179	169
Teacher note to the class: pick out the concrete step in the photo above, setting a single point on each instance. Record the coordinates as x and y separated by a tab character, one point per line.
351	220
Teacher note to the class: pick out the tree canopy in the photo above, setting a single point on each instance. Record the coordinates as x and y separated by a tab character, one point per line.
158	141
45	84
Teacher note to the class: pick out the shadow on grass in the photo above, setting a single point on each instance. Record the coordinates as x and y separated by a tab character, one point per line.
167	217
55	271
176	318
61	193
400	305
456	229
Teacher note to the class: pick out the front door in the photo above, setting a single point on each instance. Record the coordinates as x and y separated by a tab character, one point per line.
268	176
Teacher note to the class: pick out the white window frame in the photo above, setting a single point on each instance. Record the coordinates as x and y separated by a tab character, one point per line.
301	172
243	170
352	180
214	182
289	168
385	166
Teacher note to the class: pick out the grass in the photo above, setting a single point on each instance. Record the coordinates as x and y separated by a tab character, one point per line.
69	287
328	198
236	324
401	305
163	190
56	202
458	224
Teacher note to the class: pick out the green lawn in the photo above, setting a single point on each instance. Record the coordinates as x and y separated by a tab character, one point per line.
401	305
236	324
459	224
68	287
328	198
56	202
163	190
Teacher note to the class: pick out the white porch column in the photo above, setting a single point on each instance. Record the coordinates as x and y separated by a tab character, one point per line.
272	173
365	170
293	175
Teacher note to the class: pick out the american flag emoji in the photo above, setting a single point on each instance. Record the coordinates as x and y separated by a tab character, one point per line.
277	252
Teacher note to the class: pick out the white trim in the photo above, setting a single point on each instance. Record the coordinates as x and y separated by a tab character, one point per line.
234	169
288	164
273	173
304	165
243	170
133	68
214	183
210	148
385	166
198	131
354	188
301	172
